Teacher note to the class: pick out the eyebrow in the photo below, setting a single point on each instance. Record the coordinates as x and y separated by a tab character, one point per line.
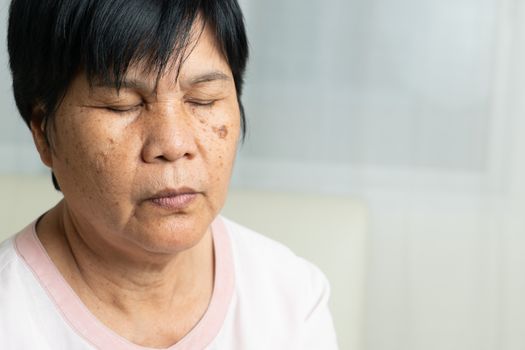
136	84
132	84
207	77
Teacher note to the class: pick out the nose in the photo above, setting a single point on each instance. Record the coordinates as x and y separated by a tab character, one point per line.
169	134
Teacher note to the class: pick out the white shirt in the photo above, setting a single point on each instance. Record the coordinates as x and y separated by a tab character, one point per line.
264	297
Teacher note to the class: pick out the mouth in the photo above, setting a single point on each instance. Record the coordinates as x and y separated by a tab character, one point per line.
174	199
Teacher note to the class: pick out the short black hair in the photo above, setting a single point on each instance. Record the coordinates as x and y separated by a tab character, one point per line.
51	41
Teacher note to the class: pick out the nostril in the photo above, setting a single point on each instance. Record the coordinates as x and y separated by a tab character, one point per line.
189	156
166	158
161	157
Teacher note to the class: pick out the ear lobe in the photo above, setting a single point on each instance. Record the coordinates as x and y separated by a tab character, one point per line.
41	142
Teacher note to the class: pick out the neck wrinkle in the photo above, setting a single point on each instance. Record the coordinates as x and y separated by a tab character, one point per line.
92	275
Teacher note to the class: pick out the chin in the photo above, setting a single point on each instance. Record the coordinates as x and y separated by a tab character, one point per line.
169	237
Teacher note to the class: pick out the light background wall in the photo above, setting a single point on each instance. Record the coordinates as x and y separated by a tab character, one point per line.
416	107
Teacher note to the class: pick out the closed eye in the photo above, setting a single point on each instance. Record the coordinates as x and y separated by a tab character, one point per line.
201	103
124	109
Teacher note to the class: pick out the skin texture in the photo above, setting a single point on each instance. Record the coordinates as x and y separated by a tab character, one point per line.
134	263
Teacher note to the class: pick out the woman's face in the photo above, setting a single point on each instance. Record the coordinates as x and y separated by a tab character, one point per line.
149	167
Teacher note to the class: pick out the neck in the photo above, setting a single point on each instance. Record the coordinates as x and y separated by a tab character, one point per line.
122	277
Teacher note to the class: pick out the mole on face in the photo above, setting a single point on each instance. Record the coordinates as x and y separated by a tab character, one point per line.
221	131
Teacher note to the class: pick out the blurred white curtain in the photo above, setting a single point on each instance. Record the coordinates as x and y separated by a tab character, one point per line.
417	107
372	85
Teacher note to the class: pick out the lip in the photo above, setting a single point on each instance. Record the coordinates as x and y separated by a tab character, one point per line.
174	199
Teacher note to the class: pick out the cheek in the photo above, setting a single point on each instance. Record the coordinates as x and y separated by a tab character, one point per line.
225	140
113	159
107	162
223	122
221	131
91	157
220	137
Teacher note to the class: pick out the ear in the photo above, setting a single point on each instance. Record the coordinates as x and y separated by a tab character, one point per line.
41	141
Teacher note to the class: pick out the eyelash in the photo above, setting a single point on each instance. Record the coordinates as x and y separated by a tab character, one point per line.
124	110
204	104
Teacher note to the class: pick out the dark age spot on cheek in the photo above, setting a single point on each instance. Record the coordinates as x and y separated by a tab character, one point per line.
222	131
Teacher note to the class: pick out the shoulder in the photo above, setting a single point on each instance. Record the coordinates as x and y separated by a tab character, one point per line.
272	267
8	257
258	248
12	268
15	277
13	291
10	260
278	293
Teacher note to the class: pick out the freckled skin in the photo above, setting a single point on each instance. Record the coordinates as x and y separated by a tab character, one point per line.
114	151
109	163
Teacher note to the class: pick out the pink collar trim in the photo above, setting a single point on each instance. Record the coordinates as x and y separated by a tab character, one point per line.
85	324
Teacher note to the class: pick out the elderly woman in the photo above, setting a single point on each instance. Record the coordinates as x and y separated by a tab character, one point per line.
134	106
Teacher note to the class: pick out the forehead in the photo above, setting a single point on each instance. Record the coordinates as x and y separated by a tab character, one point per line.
202	54
200	61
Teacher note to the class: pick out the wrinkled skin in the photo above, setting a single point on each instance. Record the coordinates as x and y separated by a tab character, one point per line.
111	153
109	162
